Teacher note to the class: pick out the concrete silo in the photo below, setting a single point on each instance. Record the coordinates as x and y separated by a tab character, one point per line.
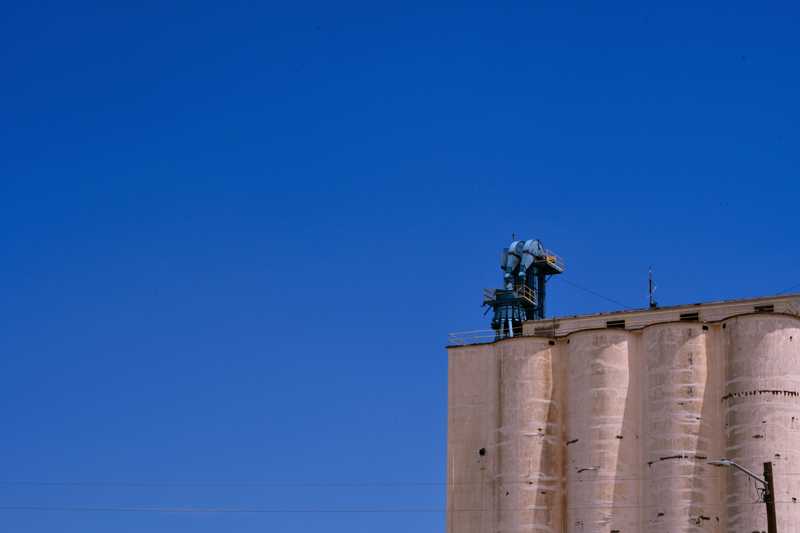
529	437
505	422
682	377
607	422
762	415
603	429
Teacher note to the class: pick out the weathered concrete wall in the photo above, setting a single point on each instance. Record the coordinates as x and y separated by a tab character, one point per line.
762	416
683	380
473	422
505	438
530	438
611	430
603	427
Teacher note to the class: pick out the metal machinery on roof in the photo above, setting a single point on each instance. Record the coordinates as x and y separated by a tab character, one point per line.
527	265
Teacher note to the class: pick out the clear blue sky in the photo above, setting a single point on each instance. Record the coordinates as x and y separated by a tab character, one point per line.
235	235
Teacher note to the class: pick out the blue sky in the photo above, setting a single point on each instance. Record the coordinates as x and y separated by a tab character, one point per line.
235	235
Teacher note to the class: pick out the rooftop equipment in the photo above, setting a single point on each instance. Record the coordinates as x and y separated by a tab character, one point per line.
526	266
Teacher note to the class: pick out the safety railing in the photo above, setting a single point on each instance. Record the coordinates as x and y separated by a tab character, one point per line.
526	293
478	336
554	260
482	336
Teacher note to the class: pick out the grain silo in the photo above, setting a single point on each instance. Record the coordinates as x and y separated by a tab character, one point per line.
608	422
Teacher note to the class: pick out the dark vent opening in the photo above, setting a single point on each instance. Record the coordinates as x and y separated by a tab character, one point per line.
690	317
764	308
615	324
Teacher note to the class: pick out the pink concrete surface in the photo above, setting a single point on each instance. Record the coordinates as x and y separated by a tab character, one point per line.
607	430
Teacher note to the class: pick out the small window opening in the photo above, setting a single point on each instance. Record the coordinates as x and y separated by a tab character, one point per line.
615	324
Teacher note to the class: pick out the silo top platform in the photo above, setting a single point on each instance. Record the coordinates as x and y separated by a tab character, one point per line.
550	263
635	319
639	318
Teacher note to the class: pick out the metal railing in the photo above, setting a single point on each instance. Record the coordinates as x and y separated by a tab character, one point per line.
482	336
554	259
478	336
526	293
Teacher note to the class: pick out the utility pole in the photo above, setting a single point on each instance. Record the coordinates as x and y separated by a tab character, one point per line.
767	483
769	499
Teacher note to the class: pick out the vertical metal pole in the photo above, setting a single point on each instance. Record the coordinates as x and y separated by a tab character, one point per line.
541	279
769	499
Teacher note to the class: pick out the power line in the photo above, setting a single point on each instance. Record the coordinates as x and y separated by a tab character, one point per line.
590	291
334	484
257	510
790	289
366	484
220	484
357	484
221	510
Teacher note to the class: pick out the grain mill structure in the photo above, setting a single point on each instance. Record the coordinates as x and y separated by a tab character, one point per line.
608	422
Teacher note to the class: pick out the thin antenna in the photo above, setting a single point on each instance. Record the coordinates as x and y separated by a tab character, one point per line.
651	289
